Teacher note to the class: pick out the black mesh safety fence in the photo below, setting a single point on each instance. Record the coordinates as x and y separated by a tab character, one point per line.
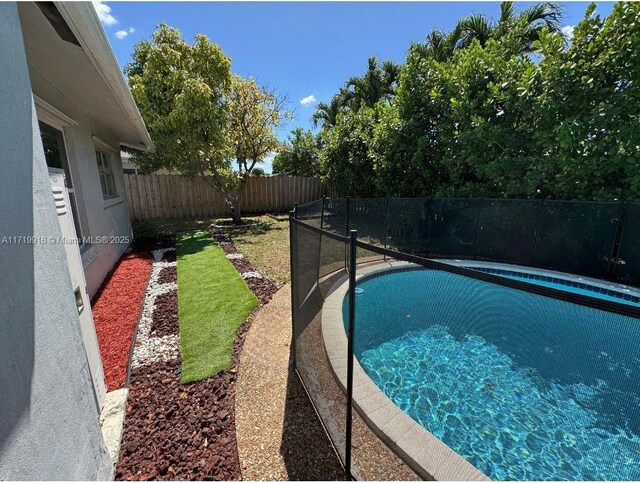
450	372
577	237
335	215
626	265
507	230
453	227
594	239
407	225
311	212
317	262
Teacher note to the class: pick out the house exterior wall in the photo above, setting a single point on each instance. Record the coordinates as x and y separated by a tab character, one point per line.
105	222
49	426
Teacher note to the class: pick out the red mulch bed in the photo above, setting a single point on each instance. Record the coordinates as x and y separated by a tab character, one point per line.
262	288
115	314
168	275
164	318
175	431
242	265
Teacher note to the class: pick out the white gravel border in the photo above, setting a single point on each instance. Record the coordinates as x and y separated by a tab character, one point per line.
150	349
246	275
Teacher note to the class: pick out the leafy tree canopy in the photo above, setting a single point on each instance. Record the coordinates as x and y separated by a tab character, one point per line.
180	90
203	119
299	156
474	113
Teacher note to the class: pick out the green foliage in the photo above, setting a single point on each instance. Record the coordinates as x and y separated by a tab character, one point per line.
202	118
345	159
376	84
180	90
299	156
475	114
587	100
258	171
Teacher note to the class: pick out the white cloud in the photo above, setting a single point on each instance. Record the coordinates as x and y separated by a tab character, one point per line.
305	101
104	12
568	32
121	34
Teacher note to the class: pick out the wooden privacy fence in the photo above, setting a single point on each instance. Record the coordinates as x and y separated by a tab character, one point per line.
168	196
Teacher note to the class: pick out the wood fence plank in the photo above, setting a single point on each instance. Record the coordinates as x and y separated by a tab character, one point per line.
174	197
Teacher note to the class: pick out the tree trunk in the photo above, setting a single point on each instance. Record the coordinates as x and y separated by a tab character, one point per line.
234	204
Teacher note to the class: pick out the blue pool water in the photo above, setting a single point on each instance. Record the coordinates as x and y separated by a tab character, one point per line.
522	386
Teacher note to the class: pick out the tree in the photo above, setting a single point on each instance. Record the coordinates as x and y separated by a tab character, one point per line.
255	114
258	171
202	118
346	163
377	83
180	90
527	24
299	156
326	115
586	101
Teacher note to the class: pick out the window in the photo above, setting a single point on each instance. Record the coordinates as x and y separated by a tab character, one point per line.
56	156
107	181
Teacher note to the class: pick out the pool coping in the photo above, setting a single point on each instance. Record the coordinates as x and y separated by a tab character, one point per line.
574	280
425	454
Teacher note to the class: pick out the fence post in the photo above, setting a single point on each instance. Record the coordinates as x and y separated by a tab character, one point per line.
320	241
353	234
386	225
346	232
429	214
293	252
617	240
535	242
348	226
475	247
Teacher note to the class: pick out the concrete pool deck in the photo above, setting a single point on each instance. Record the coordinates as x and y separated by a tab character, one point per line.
425	454
278	434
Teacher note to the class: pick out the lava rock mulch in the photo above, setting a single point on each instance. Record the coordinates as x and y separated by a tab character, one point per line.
262	287
165	314
115	310
176	431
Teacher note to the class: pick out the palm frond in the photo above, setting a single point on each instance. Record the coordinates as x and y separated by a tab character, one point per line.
544	14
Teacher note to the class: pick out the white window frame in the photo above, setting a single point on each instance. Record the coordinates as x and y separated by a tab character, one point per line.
58	120
102	148
48	114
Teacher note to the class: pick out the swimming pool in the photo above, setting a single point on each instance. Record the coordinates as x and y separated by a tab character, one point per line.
522	386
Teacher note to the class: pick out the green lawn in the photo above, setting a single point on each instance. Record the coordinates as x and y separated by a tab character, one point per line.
213	301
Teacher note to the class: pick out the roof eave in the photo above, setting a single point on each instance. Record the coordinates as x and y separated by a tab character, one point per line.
83	21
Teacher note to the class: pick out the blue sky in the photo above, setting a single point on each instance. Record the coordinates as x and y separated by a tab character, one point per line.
302	49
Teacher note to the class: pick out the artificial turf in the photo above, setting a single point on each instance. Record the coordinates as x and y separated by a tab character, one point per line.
213	301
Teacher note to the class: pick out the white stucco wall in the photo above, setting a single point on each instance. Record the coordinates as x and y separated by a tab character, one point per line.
49	426
100	218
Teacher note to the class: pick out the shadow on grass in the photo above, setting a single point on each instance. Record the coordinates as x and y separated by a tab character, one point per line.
248	235
193	242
